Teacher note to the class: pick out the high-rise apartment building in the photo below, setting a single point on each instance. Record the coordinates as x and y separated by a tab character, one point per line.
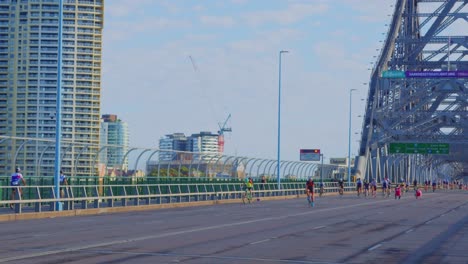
205	142
114	142
176	141
29	48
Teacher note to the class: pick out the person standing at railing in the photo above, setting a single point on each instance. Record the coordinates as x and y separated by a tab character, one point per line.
322	188
16	178
262	187
63	182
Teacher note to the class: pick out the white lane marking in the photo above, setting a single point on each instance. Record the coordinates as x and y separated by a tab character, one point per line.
235	258
318	227
182	232
409	231
374	247
261	241
442	215
428	222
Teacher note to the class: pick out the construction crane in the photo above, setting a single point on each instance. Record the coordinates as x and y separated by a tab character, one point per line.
222	129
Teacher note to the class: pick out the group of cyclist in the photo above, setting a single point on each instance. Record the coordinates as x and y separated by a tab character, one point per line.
369	188
363	187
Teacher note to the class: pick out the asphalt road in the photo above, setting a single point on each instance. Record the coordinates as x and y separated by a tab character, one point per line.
346	229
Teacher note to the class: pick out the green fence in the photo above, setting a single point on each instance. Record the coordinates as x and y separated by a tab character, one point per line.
90	181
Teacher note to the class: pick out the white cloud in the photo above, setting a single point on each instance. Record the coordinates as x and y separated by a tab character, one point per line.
223	21
239	2
122	8
294	13
126	30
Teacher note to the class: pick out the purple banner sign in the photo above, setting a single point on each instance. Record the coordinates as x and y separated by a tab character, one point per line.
436	74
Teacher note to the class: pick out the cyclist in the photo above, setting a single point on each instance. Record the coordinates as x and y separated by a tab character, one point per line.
322	187
434	186
415	184
16	178
384	187
341	186
397	192
389	187
374	187
359	186
248	186
366	188
310	191
417	193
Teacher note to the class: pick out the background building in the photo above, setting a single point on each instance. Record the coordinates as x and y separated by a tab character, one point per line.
205	142
28	84
114	142
178	150
173	142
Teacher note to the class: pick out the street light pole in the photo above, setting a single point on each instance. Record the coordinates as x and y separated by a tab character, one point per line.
279	119
321	170
58	111
349	136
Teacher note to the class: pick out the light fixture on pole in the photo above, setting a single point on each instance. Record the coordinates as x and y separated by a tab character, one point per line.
349	136
278	165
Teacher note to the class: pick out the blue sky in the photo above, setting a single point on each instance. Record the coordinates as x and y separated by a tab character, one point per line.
150	82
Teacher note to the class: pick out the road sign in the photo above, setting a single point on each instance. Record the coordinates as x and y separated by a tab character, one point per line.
393	74
436	74
419	148
310	154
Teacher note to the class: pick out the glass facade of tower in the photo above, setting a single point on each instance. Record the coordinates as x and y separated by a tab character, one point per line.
114	142
28	84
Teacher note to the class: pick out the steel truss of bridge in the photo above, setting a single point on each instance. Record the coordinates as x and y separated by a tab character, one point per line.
423	97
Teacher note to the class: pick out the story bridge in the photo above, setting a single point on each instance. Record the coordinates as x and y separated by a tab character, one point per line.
417	95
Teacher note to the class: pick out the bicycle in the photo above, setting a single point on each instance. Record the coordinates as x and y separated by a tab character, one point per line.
310	198
247	195
341	191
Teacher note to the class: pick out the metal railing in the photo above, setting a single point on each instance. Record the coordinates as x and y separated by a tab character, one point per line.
99	196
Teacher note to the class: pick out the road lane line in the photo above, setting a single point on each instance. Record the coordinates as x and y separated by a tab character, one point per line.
318	227
261	241
183	232
374	247
235	258
409	231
